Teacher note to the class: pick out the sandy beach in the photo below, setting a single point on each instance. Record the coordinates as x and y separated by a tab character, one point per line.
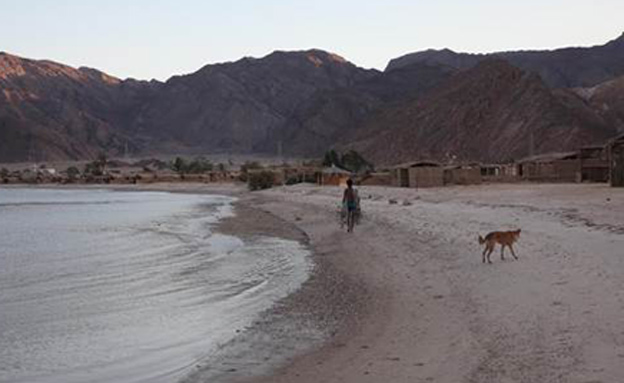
421	307
406	298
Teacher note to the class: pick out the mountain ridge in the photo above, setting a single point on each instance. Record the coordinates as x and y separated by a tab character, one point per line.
578	63
298	103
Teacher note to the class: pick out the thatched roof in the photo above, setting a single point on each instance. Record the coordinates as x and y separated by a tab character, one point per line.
417	164
336	170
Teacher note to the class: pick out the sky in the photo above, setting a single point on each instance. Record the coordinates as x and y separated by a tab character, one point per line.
146	39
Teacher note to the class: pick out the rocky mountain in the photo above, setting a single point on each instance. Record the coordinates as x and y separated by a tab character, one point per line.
561	68
608	101
50	111
336	116
305	102
492	112
237	107
298	102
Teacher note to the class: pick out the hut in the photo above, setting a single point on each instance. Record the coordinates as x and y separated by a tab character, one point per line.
594	164
462	175
418	174
551	167
615	153
333	176
377	179
499	173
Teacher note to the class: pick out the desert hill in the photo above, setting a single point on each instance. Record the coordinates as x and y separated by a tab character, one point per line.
492	112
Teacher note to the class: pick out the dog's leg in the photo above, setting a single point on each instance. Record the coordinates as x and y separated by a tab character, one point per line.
483	254
512	252
502	251
491	249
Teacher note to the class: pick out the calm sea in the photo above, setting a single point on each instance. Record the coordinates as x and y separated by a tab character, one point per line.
103	286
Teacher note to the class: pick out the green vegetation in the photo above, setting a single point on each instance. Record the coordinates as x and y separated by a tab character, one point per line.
199	165
97	167
249	165
261	180
72	173
332	158
351	160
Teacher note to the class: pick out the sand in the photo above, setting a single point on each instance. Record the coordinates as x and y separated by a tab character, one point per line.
426	308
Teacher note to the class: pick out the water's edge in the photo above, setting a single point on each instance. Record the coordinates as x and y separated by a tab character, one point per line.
302	323
250	351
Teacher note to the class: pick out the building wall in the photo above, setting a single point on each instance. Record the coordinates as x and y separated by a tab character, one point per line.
555	171
617	164
500	173
426	176
462	176
334	179
594	165
379	179
400	177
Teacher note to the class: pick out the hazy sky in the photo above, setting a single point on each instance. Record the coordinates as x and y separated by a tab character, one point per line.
148	39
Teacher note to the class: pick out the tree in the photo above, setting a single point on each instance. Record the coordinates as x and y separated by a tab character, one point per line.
331	158
353	161
199	165
179	165
102	161
72	173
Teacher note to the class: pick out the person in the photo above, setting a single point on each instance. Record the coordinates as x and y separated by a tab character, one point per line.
349	199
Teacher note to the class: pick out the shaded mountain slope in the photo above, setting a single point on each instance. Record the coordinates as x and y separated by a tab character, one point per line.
487	113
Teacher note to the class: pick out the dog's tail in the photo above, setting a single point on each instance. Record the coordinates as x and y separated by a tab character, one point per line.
481	240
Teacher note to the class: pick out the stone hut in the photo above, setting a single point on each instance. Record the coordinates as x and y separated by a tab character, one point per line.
462	175
499	173
615	153
594	163
333	176
551	167
418	174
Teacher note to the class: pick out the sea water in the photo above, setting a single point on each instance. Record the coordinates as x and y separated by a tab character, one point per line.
108	286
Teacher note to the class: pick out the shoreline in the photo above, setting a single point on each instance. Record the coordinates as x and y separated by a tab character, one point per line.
304	321
323	305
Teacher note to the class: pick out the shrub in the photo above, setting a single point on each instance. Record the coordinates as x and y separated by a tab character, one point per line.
73	173
246	167
197	166
260	180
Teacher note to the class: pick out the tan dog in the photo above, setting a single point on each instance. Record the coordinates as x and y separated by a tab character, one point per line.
505	238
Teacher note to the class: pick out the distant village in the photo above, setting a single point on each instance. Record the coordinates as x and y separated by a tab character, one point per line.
587	164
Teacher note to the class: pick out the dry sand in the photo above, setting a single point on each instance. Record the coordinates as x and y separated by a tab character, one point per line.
427	310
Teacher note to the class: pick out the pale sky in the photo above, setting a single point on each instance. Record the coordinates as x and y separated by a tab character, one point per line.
147	39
